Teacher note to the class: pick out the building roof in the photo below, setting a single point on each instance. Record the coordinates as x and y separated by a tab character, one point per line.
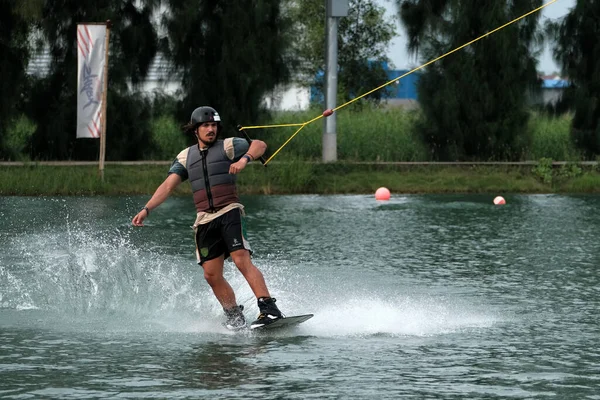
554	82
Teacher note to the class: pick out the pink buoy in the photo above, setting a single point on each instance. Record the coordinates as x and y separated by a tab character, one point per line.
382	194
499	200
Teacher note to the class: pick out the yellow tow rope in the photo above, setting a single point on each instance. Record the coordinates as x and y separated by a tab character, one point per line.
328	112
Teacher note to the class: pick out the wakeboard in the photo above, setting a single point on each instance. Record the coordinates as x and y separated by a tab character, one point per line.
286	322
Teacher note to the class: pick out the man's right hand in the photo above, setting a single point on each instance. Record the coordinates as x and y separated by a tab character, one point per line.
138	220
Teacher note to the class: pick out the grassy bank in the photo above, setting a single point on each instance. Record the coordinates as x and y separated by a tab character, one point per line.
301	177
368	135
373	135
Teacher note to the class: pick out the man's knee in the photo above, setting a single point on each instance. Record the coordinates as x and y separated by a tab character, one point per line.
212	279
241	259
213	273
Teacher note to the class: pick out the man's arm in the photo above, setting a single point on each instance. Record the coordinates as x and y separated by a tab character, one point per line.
160	195
257	148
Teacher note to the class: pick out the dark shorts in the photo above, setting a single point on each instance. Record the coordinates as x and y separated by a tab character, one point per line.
221	236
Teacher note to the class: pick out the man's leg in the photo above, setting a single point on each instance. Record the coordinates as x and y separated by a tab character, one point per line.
253	276
266	305
213	273
239	250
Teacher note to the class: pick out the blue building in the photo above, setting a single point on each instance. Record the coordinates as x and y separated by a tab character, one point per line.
552	89
405	88
402	91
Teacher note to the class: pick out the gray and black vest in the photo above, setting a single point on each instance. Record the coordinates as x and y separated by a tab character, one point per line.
212	184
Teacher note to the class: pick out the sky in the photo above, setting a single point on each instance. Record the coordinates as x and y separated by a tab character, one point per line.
397	50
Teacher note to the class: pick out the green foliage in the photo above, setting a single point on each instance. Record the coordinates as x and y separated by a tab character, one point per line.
386	135
548	175
550	138
37	180
129	126
279	178
578	51
167	138
380	135
229	56
474	100
17	138
15	29
543	170
369	135
52	99
363	38
596	166
295	175
570	170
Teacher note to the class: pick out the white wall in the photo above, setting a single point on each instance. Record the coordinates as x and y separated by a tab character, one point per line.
288	98
291	97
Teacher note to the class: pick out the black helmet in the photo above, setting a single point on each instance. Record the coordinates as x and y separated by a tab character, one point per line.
204	114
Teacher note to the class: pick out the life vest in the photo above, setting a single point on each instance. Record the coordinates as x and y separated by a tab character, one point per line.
212	184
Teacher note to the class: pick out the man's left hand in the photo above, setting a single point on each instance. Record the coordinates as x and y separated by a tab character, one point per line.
238	166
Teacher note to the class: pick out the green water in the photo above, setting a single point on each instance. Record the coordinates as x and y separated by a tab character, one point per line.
419	297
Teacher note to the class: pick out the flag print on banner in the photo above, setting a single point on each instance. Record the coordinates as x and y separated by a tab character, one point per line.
91	59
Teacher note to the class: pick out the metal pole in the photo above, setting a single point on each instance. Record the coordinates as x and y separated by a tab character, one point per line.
335	10
104	97
329	135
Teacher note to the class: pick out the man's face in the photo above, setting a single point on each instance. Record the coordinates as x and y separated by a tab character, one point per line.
207	132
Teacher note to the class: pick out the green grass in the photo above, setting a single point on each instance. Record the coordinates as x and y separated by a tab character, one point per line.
551	138
373	135
301	177
368	136
79	180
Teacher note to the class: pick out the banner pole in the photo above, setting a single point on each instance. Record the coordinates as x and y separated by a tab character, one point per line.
104	97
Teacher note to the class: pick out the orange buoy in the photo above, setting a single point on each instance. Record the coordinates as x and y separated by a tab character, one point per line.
382	194
499	200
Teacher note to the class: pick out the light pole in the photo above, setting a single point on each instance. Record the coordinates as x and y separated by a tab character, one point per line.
335	10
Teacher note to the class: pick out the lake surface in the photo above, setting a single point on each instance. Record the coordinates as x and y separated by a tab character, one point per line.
433	296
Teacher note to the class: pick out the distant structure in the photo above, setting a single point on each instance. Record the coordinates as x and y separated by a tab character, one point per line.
39	64
162	78
290	97
404	91
553	87
401	93
295	97
161	75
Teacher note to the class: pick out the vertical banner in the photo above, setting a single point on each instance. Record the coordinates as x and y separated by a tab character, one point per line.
91	59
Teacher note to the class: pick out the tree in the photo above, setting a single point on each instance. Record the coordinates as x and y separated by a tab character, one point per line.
474	101
363	38
578	51
15	24
228	55
52	100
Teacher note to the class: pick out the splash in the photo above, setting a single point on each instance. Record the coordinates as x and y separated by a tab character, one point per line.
82	271
104	279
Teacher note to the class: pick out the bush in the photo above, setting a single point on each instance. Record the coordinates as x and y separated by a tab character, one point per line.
543	170
369	135
17	138
167	138
551	138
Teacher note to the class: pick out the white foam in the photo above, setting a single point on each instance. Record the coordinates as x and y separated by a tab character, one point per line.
414	317
96	275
